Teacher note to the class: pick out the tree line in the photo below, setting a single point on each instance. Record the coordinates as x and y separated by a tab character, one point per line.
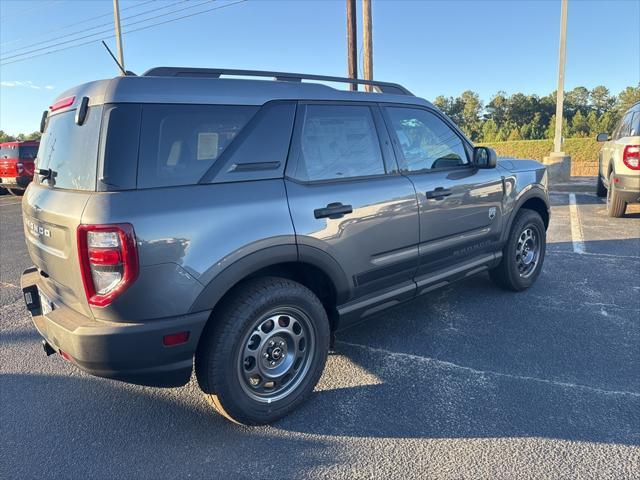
531	117
21	137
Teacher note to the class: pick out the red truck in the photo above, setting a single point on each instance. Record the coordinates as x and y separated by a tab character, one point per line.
17	161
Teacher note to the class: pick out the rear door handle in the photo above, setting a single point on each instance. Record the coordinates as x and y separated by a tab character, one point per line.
438	194
333	210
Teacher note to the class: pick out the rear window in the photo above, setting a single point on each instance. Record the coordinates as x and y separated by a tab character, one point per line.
179	143
9	151
70	150
28	152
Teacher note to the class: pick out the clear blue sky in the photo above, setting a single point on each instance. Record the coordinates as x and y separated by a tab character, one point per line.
432	47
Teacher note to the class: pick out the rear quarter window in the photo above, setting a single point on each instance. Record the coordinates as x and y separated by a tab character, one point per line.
179	143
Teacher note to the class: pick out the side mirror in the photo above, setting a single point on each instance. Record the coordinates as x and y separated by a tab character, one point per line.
485	157
603	137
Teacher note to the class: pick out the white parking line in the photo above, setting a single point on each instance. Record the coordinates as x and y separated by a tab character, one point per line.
577	237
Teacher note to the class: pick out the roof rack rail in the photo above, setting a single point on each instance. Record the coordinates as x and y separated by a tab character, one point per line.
383	87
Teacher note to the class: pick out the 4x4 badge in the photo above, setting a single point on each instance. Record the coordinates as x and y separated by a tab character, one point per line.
492	213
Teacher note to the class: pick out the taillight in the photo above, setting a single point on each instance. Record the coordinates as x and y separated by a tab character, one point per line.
631	157
108	260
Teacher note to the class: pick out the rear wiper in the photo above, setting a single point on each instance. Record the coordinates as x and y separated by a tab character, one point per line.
47	174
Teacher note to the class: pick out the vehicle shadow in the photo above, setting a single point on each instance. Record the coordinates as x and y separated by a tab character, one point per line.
80	427
559	360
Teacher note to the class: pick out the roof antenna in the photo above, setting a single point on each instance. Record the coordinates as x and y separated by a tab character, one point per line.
125	72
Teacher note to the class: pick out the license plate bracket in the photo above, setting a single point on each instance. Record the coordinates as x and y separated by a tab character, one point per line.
32	300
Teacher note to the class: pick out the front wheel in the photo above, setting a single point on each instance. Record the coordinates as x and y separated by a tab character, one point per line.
264	351
523	255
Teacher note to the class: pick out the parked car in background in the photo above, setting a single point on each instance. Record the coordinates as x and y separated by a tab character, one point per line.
242	222
17	160
619	163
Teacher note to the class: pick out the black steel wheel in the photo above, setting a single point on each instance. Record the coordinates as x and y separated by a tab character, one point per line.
523	254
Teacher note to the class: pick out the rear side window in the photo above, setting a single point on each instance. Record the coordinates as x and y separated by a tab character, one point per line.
426	141
635	124
70	150
179	143
337	141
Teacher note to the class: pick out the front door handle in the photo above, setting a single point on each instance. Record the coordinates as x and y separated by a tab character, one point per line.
438	194
333	210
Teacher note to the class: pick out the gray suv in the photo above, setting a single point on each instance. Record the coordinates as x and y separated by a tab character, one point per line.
184	218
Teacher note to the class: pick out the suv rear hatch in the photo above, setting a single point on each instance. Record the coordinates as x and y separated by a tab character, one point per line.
53	205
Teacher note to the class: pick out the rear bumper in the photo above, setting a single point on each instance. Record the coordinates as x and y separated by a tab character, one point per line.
15	182
628	187
131	352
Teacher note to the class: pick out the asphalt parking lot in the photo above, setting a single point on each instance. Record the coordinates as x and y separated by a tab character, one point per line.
466	382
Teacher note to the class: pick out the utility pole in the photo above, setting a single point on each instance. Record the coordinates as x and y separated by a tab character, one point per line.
116	19
352	42
557	143
558	163
367	41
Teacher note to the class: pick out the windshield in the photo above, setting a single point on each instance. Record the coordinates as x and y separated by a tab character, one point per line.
70	150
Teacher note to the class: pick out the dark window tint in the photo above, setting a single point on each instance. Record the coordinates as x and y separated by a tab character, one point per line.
28	152
180	142
70	150
635	124
426	141
338	141
625	126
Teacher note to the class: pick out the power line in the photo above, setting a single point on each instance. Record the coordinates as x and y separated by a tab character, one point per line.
124	33
64	27
29	10
106	30
94	27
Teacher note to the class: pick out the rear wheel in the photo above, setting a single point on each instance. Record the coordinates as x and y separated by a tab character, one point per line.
3	191
18	192
616	206
264	352
601	190
523	255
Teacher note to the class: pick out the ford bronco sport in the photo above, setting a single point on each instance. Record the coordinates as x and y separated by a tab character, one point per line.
184	217
619	164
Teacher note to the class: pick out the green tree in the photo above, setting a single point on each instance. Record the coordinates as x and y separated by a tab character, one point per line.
471	111
489	131
579	125
593	124
626	98
601	99
576	100
607	122
497	108
5	137
514	135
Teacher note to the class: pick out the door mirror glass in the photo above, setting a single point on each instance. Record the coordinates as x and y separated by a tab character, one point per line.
602	137
485	157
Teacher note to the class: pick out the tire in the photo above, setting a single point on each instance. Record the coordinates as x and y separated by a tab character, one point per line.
3	191
601	190
16	192
616	206
234	379
523	255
